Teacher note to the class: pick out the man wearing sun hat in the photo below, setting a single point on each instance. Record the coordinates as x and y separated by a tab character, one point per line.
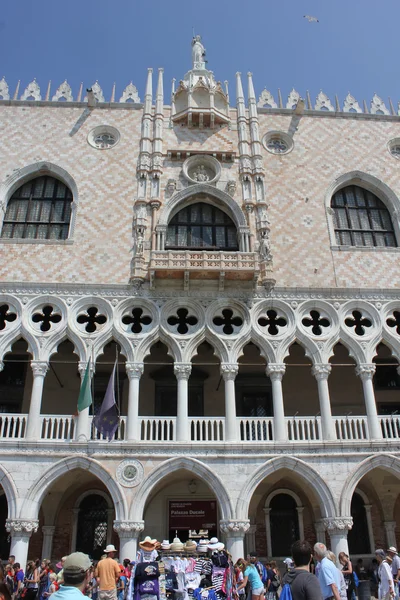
107	573
392	552
77	574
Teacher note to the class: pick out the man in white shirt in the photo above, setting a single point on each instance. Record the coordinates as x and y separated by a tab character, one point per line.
392	552
386	585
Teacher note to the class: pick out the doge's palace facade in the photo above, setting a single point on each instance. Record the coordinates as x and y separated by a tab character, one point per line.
239	256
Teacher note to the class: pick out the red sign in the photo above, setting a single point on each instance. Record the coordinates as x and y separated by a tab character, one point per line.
196	514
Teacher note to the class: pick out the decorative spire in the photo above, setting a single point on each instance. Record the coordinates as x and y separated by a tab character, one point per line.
79	98
148	96
378	106
351	104
266	100
47	98
323	102
239	96
4	92
17	90
130	94
113	93
32	92
160	92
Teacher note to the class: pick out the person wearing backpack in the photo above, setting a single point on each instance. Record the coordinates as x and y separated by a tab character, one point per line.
273	581
298	583
262	571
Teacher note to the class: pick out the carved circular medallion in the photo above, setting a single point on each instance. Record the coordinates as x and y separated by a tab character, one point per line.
277	142
103	137
201	169
130	473
394	147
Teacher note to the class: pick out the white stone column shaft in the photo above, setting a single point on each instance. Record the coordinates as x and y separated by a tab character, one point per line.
276	372
268	530
39	369
182	373
300	519
321	373
229	372
134	371
366	373
48	533
21	531
235	531
390	529
251	539
368	508
320	531
128	532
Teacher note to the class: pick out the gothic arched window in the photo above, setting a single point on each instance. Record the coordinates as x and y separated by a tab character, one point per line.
92	525
40	210
358	536
202	226
361	219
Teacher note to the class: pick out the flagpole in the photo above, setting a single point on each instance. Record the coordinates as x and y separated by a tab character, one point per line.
117	363
92	388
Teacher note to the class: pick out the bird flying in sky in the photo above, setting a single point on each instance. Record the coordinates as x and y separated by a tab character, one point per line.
311	19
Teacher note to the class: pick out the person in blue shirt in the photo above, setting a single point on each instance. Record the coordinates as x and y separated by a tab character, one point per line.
328	574
251	575
77	574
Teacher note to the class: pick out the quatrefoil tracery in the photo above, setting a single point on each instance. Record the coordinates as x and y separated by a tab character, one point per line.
394	321
47	317
137	320
6	316
228	322
182	321
316	322
358	322
273	322
92	318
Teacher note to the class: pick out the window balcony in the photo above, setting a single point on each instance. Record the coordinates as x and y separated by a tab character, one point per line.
250	430
196	264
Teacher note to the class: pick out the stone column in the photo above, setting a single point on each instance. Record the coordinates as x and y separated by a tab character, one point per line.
182	373
300	510
128	532
251	539
39	369
48	533
320	531
134	372
234	535
366	373
110	515
368	508
83	432
229	372
75	517
276	372
21	531
390	529
321	373
268	530
337	529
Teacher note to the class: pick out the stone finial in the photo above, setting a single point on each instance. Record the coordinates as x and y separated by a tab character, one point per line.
63	92
293	99
378	106
351	104
266	100
323	102
32	92
4	92
130	94
97	91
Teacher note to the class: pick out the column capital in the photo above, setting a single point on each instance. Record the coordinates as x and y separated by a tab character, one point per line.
390	526
321	371
338	525
266	511
48	529
1	365
300	509
23	527
365	371
128	529
235	528
82	365
182	370
275	371
39	367
229	371
134	370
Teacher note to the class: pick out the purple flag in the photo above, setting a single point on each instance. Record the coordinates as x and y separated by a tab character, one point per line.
107	420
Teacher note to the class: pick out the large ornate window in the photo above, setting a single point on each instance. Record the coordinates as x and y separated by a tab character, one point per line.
40	209
361	219
201	226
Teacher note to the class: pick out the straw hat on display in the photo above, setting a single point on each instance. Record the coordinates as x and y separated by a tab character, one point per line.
176	545
215	544
148	545
165	545
202	546
190	546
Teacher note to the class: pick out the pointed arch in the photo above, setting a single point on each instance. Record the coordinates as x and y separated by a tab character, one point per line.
389	462
10	491
324	494
220	198
31	505
176	464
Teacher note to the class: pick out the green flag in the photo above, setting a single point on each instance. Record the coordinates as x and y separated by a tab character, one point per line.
85	394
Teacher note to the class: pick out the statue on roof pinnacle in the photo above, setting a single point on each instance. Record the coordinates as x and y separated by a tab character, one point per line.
198	53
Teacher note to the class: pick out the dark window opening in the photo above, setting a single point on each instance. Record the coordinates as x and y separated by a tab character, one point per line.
40	209
12	383
361	219
92	526
4	535
284	524
202	226
358	537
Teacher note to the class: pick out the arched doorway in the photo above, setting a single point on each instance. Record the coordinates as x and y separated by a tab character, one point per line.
284	523
92	525
358	536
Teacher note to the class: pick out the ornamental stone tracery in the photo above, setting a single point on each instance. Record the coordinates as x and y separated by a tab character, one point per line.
128	528
22	526
233	527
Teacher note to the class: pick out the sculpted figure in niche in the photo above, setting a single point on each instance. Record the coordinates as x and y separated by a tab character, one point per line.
200	174
198	51
265	247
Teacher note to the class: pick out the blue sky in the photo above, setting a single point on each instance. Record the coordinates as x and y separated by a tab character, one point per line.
354	47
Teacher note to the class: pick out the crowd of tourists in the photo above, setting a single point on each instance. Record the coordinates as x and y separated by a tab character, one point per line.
309	574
